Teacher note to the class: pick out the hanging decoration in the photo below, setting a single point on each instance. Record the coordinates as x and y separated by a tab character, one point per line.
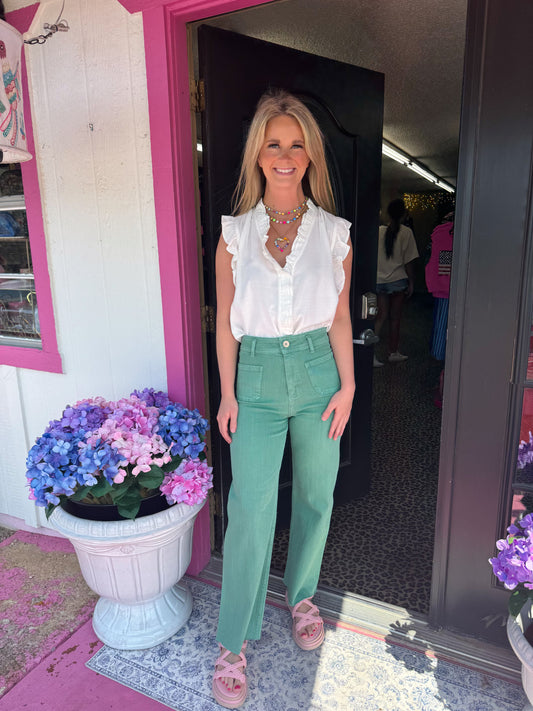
13	144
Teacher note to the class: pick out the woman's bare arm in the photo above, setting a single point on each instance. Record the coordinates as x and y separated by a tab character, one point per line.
227	346
341	339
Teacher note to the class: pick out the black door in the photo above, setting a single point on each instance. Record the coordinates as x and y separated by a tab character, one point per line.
347	102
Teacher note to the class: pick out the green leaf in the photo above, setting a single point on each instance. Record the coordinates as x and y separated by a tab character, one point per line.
173	464
518	599
48	510
119	491
129	505
152	479
102	488
80	493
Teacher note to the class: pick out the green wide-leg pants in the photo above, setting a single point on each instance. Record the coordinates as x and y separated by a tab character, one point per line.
282	383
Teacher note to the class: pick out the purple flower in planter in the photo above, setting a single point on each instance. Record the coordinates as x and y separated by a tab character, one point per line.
152	397
525	453
124	443
513	565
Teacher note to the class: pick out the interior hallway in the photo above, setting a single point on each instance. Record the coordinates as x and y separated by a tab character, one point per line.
381	546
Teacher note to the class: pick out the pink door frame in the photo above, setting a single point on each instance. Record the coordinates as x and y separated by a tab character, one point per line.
167	70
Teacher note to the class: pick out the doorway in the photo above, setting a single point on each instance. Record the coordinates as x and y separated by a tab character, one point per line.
396	518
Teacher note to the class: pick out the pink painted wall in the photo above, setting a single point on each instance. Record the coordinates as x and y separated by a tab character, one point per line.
47	358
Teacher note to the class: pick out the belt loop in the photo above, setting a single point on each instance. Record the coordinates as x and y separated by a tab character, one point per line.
252	349
310	344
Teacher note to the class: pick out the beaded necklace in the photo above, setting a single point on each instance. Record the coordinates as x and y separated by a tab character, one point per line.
281	242
297	212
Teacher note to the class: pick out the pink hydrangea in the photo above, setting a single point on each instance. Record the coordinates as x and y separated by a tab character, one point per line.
138	450
189	483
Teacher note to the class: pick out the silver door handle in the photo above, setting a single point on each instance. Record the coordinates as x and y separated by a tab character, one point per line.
366	338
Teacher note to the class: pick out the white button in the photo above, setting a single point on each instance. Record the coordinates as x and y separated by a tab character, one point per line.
286	344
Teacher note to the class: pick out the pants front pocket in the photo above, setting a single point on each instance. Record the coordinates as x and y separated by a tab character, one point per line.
249	382
323	374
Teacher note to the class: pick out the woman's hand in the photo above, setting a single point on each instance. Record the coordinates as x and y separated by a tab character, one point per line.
227	417
341	404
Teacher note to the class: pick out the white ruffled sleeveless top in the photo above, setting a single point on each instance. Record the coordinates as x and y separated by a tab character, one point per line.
272	301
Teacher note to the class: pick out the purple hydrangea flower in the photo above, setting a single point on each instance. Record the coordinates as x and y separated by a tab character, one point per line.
154	398
513	565
525	453
96	440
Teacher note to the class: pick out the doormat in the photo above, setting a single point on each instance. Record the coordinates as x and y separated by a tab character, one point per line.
43	600
350	672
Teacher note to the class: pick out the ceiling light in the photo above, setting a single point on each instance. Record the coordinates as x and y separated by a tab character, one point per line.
405	159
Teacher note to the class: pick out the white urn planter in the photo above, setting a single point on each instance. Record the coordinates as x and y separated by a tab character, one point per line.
136	567
516	626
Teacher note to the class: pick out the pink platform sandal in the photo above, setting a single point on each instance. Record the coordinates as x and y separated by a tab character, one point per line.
300	620
235	698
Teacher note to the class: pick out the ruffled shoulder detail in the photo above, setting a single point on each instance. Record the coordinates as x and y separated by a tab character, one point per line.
340	249
230	233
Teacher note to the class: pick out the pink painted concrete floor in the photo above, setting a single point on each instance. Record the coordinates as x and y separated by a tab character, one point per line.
46	632
62	682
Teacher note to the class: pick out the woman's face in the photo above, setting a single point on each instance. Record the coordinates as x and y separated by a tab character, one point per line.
283	158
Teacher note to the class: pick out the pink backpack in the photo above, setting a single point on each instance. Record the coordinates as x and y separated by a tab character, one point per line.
438	269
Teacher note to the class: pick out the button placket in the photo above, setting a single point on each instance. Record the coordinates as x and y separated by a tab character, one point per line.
285	301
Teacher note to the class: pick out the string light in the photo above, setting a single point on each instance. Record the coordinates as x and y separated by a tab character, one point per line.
428	200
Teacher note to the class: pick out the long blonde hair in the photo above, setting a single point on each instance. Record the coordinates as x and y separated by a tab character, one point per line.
251	184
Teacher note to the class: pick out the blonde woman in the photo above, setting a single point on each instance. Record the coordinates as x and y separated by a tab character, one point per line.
285	356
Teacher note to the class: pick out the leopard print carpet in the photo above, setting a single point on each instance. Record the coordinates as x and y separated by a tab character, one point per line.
381	546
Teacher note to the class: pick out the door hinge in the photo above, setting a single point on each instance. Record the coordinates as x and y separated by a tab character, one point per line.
208	319
217	507
198	95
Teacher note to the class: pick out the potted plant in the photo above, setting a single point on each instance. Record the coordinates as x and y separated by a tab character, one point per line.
124	482
513	566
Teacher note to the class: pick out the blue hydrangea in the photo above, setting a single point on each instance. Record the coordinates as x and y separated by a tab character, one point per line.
51	467
100	457
182	430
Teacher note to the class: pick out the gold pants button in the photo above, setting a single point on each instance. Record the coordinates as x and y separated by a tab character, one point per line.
286	344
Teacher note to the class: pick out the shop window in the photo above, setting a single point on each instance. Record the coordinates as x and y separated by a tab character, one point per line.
522	486
19	313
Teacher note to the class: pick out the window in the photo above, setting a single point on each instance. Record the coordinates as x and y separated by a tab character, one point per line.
19	315
522	485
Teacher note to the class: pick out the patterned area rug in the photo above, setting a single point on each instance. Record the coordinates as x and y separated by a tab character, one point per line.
43	600
350	672
400	507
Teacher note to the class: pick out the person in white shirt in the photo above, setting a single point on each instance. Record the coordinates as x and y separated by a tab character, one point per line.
394	282
285	356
